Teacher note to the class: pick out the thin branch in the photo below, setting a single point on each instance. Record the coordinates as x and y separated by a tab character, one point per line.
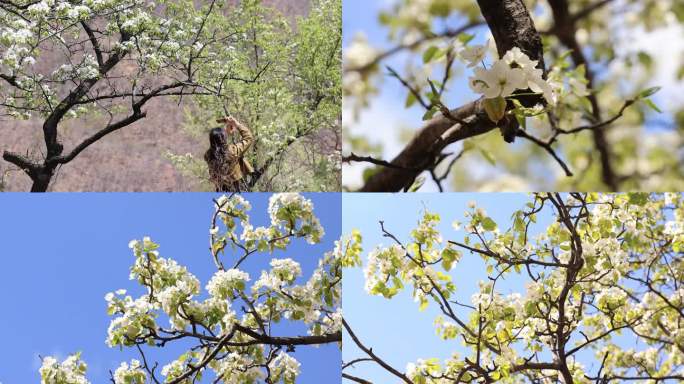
369	159
372	355
547	147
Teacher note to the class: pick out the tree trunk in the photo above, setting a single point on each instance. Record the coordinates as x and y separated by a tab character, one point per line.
41	180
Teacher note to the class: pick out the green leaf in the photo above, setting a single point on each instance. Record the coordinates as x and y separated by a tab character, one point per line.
465	38
648	92
638	198
429	53
488	224
652	105
495	108
423	304
519	223
645	59
410	100
417	184
449	255
522	121
384	18
430	112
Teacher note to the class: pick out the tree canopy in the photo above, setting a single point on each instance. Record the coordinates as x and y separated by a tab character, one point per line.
230	333
101	62
601	276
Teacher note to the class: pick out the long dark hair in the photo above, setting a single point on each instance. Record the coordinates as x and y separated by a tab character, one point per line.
217	143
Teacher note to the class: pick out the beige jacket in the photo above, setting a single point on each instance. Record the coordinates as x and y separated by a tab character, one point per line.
238	170
231	171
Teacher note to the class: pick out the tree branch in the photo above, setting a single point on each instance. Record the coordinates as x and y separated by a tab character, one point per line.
511	26
375	357
564	28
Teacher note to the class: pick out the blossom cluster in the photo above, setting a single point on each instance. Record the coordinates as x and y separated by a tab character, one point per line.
284	367
515	71
71	371
288	209
132	373
172	291
239	367
224	283
629	245
135	317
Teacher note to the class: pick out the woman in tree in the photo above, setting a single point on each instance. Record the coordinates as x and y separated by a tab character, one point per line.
227	165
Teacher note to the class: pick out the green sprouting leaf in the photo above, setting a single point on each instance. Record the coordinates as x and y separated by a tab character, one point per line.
384	18
495	108
638	198
648	92
449	255
410	100
645	59
519	223
430	112
652	105
429	53
433	97
423	304
522	121
435	92
488	224
417	184
465	38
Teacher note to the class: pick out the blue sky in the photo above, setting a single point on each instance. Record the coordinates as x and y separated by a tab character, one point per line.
388	116
395	329
63	252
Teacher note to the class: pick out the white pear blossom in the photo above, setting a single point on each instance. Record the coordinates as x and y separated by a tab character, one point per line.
71	371
285	368
359	53
474	54
130	374
498	81
517	56
224	283
171	292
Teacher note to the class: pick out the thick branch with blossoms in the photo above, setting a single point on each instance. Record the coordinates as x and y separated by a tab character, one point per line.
231	333
517	88
606	264
512	27
113	57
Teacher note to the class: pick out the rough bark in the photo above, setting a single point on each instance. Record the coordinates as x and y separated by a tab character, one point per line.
511	26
